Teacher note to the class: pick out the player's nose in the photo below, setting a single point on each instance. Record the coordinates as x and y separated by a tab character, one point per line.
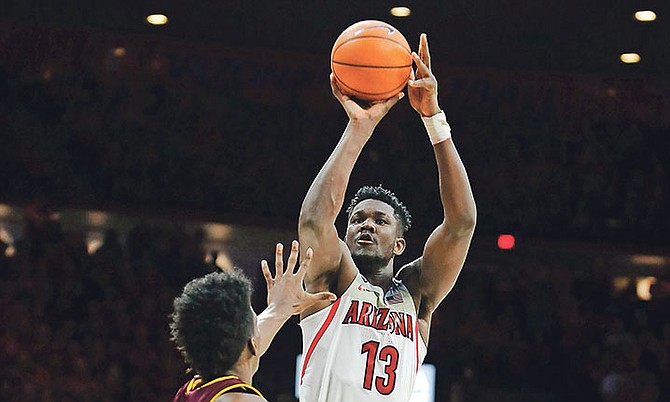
368	224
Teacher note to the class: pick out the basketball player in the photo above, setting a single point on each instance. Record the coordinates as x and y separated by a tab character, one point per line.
219	334
368	345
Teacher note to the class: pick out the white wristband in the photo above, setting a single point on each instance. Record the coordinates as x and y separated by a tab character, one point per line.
437	127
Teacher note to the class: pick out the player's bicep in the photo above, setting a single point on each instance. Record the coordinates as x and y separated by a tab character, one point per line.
442	261
327	250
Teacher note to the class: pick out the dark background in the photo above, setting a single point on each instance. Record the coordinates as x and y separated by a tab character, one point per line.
225	114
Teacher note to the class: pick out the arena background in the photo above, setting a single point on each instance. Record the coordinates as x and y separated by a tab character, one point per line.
136	157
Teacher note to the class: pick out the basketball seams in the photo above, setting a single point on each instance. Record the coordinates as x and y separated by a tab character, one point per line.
395	43
390	91
341	63
404	46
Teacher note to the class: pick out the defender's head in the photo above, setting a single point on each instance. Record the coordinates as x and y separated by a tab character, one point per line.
213	323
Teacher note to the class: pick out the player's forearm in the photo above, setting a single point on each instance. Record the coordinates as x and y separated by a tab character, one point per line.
325	197
460	211
270	322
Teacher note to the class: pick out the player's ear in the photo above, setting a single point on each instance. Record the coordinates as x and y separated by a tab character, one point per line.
399	246
253	346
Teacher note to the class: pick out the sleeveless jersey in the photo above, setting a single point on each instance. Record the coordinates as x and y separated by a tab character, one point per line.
364	347
196	391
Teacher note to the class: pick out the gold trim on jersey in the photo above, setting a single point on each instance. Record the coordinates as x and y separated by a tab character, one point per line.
243	385
196	381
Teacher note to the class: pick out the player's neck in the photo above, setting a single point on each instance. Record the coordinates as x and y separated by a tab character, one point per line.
383	282
242	371
381	276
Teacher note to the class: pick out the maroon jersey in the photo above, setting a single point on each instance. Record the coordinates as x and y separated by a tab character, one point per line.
197	391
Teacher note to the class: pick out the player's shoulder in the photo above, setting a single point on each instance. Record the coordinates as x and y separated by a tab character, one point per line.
410	271
410	275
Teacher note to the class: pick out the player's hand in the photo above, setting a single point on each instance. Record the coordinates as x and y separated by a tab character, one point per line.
369	114
422	85
285	290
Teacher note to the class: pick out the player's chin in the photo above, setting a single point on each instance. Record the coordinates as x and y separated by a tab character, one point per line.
363	249
365	258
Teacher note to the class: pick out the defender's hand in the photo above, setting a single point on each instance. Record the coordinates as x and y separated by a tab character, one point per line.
285	290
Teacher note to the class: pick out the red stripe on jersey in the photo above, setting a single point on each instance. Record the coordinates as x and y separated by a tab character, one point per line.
416	342
324	326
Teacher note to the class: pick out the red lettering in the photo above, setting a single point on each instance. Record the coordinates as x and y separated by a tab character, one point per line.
409	323
381	324
367	314
382	319
352	314
400	325
392	322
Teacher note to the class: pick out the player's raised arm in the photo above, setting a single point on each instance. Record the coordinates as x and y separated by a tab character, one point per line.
325	197
447	247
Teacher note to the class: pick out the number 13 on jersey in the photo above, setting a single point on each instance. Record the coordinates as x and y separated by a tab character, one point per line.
388	357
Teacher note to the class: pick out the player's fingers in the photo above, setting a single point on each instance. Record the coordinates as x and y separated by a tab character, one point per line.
321	296
425	52
279	260
345	100
333	83
428	84
305	262
421	67
336	88
269	281
420	50
390	102
422	82
292	258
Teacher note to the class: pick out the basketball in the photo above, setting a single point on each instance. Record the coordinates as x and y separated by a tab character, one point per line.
371	60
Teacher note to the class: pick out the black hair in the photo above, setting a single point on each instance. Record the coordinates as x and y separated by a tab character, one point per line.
380	193
212	322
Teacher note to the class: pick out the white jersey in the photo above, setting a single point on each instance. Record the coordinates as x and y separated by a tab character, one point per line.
364	347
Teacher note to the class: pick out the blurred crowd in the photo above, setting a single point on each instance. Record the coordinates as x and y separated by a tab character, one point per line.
535	329
83	326
80	325
98	120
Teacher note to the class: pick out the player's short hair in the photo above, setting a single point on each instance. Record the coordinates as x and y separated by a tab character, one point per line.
386	196
212	321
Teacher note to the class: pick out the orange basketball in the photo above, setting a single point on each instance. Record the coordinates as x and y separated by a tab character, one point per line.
371	60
